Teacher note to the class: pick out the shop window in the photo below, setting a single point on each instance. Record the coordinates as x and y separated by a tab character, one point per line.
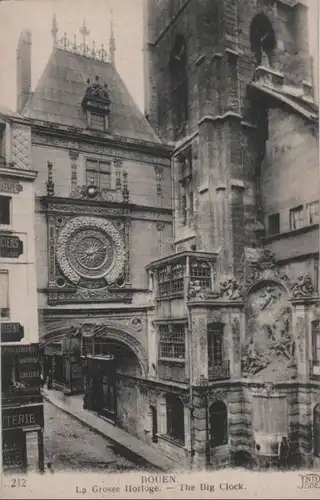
316	430
313	212
98	173
274	224
5	205
218	422
4	295
171	279
172	341
9	373
175	418
215	345
186	201
200	273
296	218
179	87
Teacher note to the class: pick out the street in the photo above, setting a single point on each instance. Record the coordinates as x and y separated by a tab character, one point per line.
70	445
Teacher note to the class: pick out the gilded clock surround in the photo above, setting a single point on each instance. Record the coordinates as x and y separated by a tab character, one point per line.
88	256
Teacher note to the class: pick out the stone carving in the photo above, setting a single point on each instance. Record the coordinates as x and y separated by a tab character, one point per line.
236	339
10	186
125	190
90	247
21	147
301	335
86	210
87	295
267	390
50	183
159	174
302	287
269	333
81	192
197	292
137	325
97	92
230	289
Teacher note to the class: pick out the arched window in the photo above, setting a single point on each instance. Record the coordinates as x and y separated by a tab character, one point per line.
316	431
262	39
179	86
218	424
175	418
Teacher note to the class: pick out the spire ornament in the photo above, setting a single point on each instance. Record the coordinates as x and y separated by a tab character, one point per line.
84	32
112	42
54	30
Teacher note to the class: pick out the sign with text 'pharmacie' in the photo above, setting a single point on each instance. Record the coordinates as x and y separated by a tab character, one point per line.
10	246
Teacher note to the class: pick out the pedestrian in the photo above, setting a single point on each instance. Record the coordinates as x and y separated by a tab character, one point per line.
283	453
50	377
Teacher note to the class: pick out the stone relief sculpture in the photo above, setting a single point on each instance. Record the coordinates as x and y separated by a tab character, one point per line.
269	329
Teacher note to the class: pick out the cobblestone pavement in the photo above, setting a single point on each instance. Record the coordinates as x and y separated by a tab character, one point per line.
70	445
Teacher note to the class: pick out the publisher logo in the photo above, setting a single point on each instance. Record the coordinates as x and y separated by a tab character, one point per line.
309	481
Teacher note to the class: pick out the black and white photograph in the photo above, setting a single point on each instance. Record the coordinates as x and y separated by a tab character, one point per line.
159	249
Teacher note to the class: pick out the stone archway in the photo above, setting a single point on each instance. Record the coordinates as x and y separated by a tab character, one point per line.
104	329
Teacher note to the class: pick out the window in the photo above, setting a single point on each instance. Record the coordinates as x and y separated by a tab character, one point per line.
172	341
218	422
316	343
171	279
175	418
262	39
215	345
316	431
313	212
98	173
97	121
179	87
200	272
2	152
4	295
274	224
5	202
296	218
186	187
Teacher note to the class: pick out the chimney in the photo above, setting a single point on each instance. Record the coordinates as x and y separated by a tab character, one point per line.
23	70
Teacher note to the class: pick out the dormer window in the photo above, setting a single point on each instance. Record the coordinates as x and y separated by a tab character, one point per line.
96	105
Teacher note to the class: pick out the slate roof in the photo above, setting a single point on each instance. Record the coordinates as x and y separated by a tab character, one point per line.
58	95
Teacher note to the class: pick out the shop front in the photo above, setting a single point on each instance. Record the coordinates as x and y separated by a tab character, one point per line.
22	409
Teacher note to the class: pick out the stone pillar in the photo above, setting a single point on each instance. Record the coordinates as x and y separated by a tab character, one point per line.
236	325
152	345
199	352
162	407
300	330
187	428
200	433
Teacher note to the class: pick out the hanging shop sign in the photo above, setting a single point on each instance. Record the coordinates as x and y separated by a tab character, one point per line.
21	417
10	246
11	332
22	362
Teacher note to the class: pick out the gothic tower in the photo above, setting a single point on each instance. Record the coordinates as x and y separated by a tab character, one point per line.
200	58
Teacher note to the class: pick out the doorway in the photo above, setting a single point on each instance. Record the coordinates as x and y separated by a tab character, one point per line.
154	424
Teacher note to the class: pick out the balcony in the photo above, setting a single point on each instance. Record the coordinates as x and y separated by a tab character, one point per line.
219	372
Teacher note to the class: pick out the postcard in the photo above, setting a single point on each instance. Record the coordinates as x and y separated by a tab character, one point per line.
159	249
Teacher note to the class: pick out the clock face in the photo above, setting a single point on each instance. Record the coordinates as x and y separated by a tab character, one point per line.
91	251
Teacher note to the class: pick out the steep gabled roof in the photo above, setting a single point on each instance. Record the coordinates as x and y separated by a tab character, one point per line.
58	95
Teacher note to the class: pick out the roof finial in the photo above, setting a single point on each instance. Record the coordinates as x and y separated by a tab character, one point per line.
84	32
112	42
54	29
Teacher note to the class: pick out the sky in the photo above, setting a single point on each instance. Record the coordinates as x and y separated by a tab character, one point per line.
36	15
